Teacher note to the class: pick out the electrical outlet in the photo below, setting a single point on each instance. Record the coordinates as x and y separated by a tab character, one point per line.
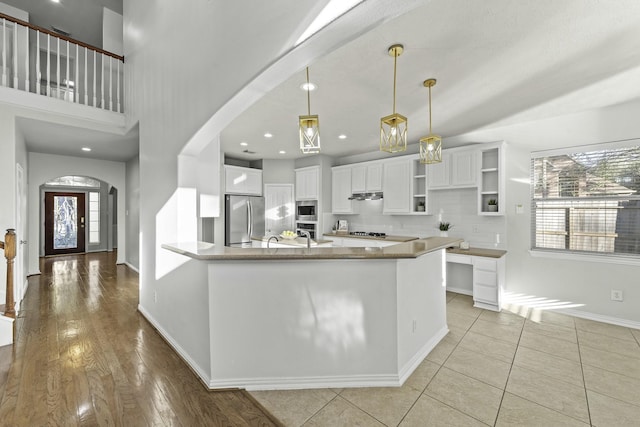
155	296
415	325
474	228
616	295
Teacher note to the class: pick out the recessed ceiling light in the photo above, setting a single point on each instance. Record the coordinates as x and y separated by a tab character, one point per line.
244	144
342	136
308	86
268	135
86	149
283	152
56	1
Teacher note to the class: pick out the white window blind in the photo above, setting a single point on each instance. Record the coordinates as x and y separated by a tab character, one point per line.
587	202
94	217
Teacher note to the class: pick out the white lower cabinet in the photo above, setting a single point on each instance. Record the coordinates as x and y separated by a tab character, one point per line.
358	243
488	282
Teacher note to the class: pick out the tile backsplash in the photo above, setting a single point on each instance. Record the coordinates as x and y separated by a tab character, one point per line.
458	207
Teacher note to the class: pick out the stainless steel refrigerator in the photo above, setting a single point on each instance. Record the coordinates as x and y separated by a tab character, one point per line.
244	218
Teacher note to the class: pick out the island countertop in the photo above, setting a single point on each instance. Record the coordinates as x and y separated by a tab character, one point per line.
209	252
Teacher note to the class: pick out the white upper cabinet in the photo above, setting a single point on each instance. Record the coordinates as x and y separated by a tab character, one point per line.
308	183
341	183
239	180
396	183
438	173
458	169
366	177
464	168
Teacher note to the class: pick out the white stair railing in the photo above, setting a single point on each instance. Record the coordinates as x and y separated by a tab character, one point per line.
40	61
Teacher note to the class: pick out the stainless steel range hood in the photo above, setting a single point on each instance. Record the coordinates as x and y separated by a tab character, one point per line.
366	196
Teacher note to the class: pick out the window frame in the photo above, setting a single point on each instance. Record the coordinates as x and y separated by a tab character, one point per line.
573	254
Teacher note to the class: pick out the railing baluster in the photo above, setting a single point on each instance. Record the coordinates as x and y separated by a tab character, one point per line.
76	80
26	59
118	84
4	52
38	73
102	81
66	79
58	71
15	56
48	65
110	84
86	71
94	78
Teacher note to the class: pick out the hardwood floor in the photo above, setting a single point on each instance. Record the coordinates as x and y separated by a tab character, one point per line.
84	356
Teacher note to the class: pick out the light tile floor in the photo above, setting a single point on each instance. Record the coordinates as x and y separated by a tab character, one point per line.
497	369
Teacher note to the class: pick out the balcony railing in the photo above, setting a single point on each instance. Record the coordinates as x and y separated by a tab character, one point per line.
34	59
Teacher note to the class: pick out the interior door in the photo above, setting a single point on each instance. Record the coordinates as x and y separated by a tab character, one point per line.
64	223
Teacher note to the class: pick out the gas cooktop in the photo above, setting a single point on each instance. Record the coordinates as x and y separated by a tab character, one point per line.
367	233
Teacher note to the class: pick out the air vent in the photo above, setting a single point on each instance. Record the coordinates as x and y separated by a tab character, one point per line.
249	152
60	31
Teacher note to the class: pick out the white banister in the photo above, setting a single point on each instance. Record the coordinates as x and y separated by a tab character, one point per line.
94	78
26	59
63	77
15	56
66	79
4	52
110	84
58	71
118	85
102	104
86	72
48	65
76	80
38	73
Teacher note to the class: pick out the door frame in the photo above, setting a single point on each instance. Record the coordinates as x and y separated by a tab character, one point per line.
48	223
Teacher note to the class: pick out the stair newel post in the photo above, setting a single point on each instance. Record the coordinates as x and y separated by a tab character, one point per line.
10	254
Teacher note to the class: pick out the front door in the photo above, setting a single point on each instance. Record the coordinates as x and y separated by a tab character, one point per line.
64	222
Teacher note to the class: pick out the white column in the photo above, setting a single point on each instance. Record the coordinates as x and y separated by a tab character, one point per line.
15	56
38	73
26	59
86	72
4	52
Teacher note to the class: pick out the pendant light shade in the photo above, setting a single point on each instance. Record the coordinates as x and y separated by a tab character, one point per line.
309	127
430	145
393	128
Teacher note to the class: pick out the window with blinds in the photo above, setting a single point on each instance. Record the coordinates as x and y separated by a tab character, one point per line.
587	202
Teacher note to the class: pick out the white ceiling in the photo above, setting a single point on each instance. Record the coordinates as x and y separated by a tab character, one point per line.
52	138
497	62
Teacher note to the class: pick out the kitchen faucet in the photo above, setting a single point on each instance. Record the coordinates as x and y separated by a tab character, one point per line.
269	240
308	236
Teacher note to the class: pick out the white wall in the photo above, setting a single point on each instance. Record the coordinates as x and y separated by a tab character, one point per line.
43	167
112	40
585	283
132	212
8	187
14	11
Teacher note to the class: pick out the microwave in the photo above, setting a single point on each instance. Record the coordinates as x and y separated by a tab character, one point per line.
307	210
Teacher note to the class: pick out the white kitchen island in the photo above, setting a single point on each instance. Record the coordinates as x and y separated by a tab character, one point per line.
320	317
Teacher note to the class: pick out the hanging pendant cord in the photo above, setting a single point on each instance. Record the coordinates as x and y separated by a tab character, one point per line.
308	96
395	60
429	110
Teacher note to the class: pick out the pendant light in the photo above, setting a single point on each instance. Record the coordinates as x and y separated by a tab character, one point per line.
393	128
309	127
430	145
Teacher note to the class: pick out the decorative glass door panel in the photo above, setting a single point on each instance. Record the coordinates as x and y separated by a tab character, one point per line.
64	223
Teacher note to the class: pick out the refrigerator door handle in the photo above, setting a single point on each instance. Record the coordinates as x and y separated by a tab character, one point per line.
250	217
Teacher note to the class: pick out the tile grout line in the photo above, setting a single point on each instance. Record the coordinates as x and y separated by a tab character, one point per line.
584	381
504	391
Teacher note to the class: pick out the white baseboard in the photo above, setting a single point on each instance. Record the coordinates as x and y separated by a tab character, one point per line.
176	347
460	291
417	358
6	330
131	267
600	318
